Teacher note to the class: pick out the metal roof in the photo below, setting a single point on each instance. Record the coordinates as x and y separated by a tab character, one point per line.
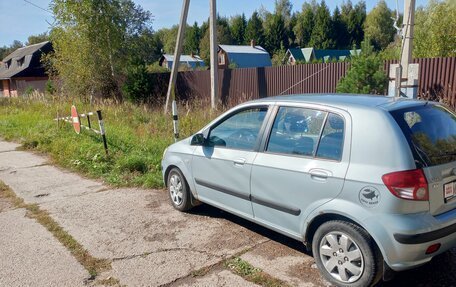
184	58
247	56
296	53
25	61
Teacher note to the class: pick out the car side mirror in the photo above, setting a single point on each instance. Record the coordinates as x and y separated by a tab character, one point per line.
198	139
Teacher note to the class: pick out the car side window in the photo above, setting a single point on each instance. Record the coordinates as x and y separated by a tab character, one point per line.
296	131
239	131
331	142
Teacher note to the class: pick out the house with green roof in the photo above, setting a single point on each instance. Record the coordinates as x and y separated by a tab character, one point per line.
308	55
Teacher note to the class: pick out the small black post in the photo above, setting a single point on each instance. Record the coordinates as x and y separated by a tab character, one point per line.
102	131
88	121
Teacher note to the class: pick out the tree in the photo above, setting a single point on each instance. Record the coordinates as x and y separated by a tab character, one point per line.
168	38
379	26
238	25
435	30
35	39
278	58
192	39
283	8
254	30
304	25
6	50
223	37
354	18
276	36
339	32
91	40
322	32
365	75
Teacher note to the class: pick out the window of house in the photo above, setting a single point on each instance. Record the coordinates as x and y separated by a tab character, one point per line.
221	58
20	61
8	64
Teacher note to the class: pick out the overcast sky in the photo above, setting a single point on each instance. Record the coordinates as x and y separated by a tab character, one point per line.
19	19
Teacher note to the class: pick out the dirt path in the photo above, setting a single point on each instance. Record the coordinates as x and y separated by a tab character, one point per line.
143	240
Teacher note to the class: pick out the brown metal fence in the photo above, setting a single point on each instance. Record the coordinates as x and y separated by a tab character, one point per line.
437	80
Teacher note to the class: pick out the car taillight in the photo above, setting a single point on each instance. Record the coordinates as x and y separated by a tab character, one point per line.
408	184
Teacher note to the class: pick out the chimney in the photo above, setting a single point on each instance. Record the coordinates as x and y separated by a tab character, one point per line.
192	55
252	43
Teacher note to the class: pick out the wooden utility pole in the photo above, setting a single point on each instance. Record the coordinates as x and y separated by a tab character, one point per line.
171	94
402	71
214	58
407	41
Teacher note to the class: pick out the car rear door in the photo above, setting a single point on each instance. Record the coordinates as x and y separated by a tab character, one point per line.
221	167
303	165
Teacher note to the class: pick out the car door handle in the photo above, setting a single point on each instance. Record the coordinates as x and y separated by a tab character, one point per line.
239	161
320	174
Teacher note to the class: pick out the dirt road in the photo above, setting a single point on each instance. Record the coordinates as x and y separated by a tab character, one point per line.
145	241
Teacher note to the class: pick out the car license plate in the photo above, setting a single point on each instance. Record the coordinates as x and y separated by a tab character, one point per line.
449	190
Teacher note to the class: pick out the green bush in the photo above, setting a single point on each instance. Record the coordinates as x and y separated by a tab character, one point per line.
365	75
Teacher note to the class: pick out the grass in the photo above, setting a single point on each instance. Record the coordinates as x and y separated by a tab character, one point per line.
93	265
137	137
252	274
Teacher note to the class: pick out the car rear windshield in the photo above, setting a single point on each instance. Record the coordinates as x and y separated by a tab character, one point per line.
431	132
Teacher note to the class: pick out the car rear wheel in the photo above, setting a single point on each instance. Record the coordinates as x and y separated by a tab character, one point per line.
178	190
346	255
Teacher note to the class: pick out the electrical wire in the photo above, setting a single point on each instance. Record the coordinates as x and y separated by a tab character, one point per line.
39	7
305	79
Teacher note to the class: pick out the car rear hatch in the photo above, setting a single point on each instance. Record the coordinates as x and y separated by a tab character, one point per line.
430	130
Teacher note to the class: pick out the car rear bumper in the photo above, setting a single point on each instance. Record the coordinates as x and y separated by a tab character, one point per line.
404	239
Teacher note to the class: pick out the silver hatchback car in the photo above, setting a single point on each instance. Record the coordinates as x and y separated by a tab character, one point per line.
367	183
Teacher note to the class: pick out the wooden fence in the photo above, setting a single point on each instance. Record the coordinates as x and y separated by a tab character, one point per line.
437	81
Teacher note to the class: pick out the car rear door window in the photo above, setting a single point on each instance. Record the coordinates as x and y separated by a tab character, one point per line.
240	130
431	132
331	142
296	131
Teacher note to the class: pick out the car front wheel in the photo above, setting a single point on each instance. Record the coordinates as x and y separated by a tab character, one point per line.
178	190
346	255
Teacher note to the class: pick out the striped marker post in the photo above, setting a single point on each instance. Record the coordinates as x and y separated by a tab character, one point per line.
175	121
102	130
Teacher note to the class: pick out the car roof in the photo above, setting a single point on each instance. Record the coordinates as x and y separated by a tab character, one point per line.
346	101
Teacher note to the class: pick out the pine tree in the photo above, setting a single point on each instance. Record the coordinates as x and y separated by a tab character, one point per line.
238	26
321	34
192	39
276	35
366	74
339	34
304	25
354	18
254	30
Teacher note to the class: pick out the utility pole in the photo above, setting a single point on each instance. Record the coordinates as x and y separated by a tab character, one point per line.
405	73
214	58
171	94
407	40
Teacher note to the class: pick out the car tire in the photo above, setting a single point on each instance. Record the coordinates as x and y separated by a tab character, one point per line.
346	255
178	190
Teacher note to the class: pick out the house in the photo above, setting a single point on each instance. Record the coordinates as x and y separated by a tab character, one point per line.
250	56
22	70
308	55
189	61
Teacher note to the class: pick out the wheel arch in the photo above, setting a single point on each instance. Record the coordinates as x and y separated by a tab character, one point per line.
321	218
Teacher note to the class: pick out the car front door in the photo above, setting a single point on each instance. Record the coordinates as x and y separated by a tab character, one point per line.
303	165
222	166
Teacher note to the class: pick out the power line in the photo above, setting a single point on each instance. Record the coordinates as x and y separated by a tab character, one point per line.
39	7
